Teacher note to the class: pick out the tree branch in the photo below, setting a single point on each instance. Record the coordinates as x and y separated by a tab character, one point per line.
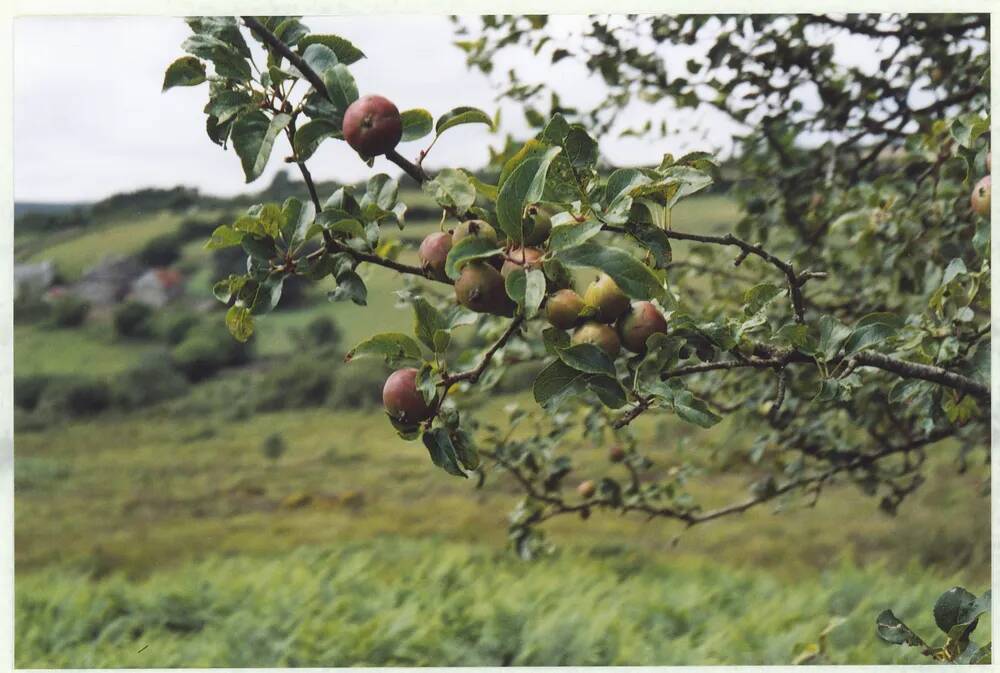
275	43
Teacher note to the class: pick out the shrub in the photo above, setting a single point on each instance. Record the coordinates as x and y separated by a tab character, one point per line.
69	311
28	390
174	327
320	332
30	308
74	397
132	320
204	352
323	331
358	386
273	446
152	380
163	250
296	383
195	229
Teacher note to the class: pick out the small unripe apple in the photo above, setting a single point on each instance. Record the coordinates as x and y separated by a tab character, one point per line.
642	321
542	226
521	258
586	489
475	229
433	253
981	197
372	126
600	335
480	288
563	309
401	398
616	454
607	298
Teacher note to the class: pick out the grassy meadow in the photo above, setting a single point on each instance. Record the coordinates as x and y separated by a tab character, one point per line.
165	537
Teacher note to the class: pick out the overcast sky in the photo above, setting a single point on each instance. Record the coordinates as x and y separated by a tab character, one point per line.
89	118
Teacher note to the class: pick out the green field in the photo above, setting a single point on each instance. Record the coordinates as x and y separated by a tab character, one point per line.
165	538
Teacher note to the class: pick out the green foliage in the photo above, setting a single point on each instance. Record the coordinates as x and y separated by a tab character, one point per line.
204	352
403	603
161	251
28	390
273	447
73	397
133	320
152	381
297	382
69	311
956	613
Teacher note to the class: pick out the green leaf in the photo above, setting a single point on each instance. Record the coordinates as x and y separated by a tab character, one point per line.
185	71
417	123
394	348
224	236
867	336
608	390
958	606
527	289
381	191
832	335
267	295
462	115
442	450
338	220
427	321
350	286
227	288
632	276
253	137
466	250
759	296
225	28
345	50
451	188
556	383
523	187
341	86
587	358
318	56
656	241
309	136
228	62
298	218
955	268
225	105
240	323
687	407
890	629
568	235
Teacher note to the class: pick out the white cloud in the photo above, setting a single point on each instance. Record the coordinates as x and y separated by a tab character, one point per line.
89	118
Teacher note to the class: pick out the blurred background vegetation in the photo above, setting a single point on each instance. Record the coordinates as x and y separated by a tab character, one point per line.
183	500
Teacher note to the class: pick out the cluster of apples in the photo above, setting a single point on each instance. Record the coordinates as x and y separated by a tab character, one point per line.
481	285
981	192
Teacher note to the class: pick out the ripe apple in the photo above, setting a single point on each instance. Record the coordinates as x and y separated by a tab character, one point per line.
480	288
521	258
402	400
433	253
642	321
607	298
600	335
372	126
981	197
475	229
563	309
